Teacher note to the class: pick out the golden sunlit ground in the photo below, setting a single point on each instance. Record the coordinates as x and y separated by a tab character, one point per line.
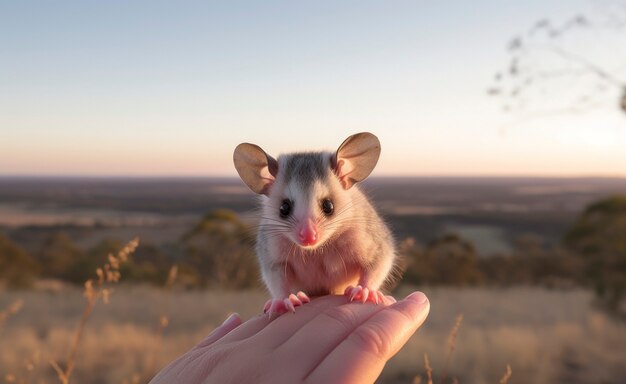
546	336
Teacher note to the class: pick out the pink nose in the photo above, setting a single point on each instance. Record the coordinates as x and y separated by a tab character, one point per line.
308	233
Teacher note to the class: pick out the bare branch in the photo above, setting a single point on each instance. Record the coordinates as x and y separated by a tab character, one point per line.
588	65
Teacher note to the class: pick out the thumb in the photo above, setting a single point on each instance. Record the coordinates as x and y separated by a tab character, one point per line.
364	352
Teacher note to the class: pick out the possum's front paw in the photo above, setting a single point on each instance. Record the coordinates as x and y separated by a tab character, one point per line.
276	307
364	294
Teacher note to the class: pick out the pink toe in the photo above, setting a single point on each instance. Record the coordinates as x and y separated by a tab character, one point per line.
289	305
365	295
294	300
303	297
275	306
356	293
267	305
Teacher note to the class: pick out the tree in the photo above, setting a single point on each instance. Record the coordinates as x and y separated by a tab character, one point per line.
455	260
448	260
556	68
17	268
60	258
146	264
220	249
540	263
599	235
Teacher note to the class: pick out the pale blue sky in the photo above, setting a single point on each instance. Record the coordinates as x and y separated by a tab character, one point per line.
156	88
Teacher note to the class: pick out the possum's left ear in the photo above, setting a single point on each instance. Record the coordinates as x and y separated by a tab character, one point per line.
356	158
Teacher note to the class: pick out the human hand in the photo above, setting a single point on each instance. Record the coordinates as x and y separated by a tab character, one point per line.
328	340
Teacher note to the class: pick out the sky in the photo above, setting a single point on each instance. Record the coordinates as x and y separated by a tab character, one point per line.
152	88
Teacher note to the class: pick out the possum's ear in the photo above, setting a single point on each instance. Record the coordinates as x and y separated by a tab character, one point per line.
255	167
356	158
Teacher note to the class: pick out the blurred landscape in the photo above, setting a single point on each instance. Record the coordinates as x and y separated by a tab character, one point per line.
491	212
107	279
507	253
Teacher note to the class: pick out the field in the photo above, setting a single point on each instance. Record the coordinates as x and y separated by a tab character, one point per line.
490	212
546	336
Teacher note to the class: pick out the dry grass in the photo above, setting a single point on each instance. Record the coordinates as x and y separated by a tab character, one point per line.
121	342
94	291
11	310
152	367
507	375
451	347
429	369
545	336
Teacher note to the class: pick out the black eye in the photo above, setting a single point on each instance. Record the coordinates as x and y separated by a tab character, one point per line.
285	208
328	207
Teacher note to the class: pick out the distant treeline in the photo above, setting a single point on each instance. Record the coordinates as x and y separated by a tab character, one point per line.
219	252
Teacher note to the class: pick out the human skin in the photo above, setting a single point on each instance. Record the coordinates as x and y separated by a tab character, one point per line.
329	340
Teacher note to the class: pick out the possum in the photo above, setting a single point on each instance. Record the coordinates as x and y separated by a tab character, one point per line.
318	233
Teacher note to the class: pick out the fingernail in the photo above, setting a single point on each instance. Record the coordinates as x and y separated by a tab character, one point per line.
232	318
417	297
390	299
228	323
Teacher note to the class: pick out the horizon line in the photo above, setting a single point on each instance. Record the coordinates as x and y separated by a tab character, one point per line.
397	176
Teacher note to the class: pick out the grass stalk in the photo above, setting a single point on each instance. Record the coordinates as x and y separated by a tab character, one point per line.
107	275
451	347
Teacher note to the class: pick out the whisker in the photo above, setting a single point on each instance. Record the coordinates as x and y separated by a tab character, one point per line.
345	268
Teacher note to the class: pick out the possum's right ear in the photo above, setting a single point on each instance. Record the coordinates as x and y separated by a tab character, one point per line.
255	167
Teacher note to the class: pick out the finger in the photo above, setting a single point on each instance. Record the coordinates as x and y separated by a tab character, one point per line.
174	369
361	356
247	329
232	322
322	334
281	328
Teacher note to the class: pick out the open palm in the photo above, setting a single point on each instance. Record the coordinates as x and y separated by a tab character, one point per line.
328	340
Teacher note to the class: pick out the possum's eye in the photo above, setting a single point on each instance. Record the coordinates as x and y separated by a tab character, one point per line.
285	208
327	207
